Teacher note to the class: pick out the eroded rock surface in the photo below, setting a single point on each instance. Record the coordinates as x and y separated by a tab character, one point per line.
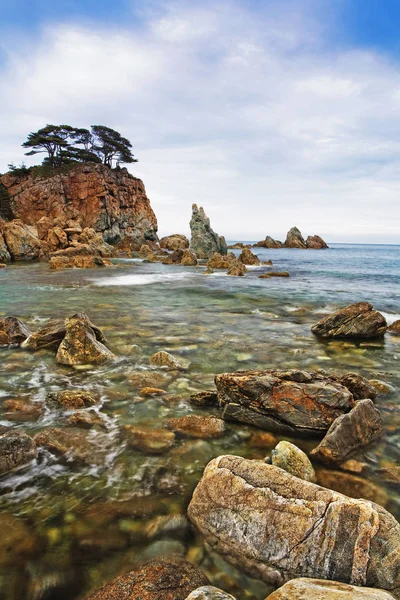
176	241
81	344
12	331
277	527
298	402
318	589
204	241
357	321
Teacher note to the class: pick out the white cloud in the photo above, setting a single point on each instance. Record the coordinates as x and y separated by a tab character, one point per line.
247	113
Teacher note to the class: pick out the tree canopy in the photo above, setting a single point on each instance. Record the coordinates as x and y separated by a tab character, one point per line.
64	144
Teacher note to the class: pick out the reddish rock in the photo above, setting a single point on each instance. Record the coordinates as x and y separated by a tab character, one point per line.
248	258
394	328
316	242
269	242
189	258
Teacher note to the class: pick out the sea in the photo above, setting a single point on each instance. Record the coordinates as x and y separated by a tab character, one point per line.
72	520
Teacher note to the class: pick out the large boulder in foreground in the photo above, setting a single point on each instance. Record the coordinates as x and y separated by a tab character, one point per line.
161	579
16	449
318	589
361	426
204	241
296	402
277	527
81	344
21	240
358	321
12	331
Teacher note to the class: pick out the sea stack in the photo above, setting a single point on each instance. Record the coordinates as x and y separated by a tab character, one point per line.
204	241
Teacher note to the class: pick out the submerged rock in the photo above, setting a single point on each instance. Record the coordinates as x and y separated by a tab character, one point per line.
17	542
357	321
269	274
16	449
197	426
209	593
289	457
176	241
70	399
248	258
277	527
80	345
361	426
75	444
170	578
149	439
12	331
298	402
165	359
319	589
204	241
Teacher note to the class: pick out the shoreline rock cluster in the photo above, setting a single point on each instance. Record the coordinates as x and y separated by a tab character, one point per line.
294	239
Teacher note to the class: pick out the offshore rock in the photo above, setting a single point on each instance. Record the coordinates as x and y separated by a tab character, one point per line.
237	269
289	457
204	241
294	239
357	321
189	258
21	241
319	589
316	242
176	241
16	449
269	274
170	578
269	242
277	527
361	426
394	328
297	402
12	331
81	345
111	201
248	258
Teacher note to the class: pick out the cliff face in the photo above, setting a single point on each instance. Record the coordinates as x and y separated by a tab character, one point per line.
112	202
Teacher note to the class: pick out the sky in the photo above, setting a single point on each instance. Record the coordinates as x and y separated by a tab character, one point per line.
269	113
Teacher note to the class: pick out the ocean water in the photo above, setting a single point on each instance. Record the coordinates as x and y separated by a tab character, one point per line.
69	526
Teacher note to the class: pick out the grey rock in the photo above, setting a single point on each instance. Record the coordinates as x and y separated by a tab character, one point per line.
204	241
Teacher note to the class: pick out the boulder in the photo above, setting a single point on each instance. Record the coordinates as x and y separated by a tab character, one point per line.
12	331
21	241
269	242
171	578
196	426
319	589
206	398
149	439
217	261
358	428
289	457
176	241
78	262
204	241
18	410
71	399
297	402
237	269
352	485
394	328
294	239
53	332
248	258
56	238
359	386
165	359
81	345
357	321
16	449
209	592
189	258
315	242
277	527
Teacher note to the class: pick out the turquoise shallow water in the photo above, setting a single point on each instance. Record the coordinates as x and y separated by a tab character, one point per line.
71	526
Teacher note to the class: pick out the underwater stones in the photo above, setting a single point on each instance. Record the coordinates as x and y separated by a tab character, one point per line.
204	241
248	258
70	399
85	419
320	589
176	241
276	526
289	457
12	331
352	485
148	439
18	410
361	426
16	449
189	258
80	345
143	379
17	542
294	401
394	328
76	445
206	398
197	426
165	359
209	592
269	274
356	321
148	392
170	578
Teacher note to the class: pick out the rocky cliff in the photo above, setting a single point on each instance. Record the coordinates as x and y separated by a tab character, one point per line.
111	202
